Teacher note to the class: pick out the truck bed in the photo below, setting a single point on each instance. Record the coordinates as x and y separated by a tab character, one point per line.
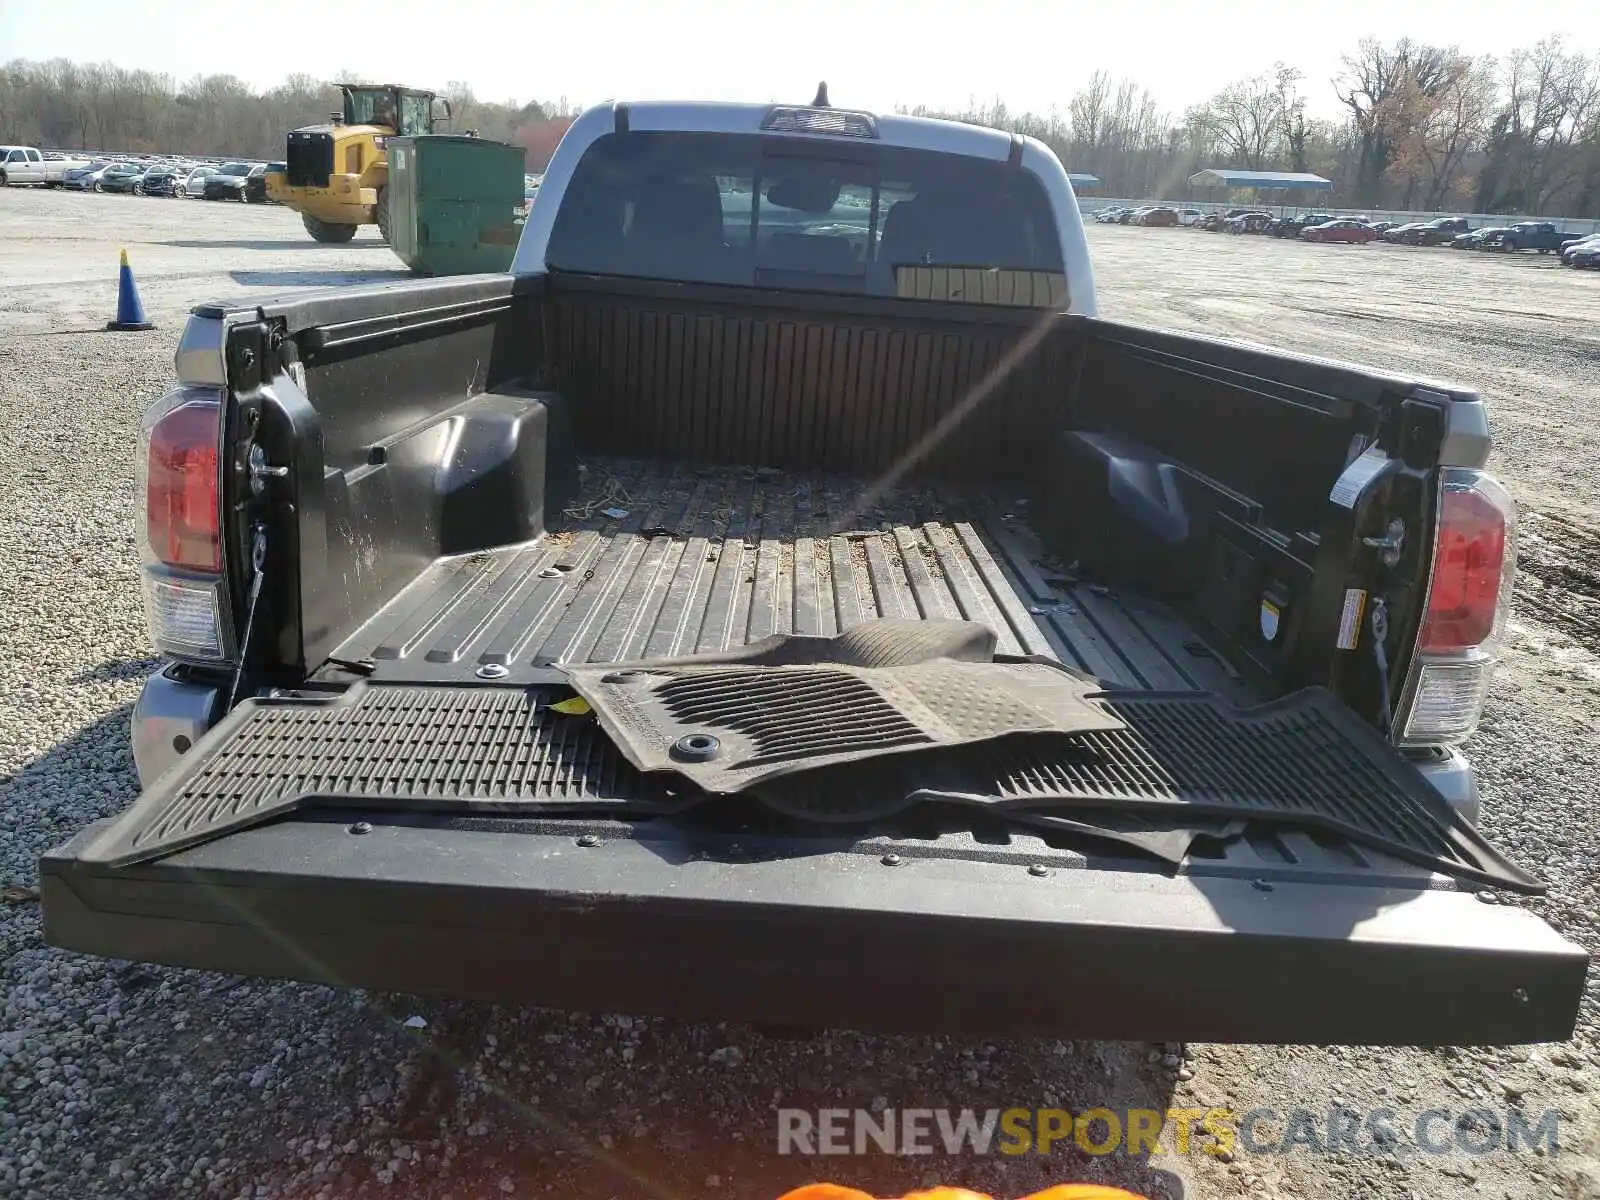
656	559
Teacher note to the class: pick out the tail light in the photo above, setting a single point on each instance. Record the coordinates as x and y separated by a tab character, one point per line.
182	485
1469	595
181	530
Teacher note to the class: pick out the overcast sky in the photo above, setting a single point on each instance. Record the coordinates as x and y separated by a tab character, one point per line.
872	53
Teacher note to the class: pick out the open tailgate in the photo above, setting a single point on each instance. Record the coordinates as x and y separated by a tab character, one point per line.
433	839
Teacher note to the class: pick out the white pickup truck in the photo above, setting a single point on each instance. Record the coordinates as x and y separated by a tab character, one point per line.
25	164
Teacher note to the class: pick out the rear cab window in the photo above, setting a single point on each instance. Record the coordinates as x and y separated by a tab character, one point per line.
818	216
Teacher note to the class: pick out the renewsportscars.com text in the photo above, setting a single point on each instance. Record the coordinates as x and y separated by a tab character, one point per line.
1145	1131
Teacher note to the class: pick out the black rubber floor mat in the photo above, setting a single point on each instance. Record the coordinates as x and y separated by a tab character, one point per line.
886	642
728	727
1303	760
440	749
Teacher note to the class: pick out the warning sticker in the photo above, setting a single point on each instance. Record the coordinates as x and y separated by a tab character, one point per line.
1355	605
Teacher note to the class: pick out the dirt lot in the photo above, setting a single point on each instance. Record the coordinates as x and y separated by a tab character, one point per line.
120	1080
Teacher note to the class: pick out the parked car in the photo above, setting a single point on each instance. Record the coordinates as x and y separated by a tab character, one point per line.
1543	236
1346	229
193	185
1132	215
1382	227
1438	232
1190	216
228	182
122	177
24	165
1250	222
1288	227
86	178
1217	221
161	180
1583	253
1159	215
1487	238
255	184
1337	885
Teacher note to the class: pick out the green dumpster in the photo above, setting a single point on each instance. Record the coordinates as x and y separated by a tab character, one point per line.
454	201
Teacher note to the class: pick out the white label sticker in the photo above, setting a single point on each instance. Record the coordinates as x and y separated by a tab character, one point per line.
1355	604
1353	479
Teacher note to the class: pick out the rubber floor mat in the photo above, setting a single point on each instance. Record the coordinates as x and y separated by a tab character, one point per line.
886	642
1304	760
729	724
431	749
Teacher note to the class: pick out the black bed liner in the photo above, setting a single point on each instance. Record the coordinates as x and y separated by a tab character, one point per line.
714	558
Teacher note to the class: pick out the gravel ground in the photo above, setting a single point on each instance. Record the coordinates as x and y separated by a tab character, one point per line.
127	1081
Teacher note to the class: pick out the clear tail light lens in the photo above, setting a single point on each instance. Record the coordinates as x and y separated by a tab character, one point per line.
1447	701
1469	596
185	617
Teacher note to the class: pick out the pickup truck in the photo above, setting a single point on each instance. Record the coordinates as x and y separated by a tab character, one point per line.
1543	236
26	165
817	617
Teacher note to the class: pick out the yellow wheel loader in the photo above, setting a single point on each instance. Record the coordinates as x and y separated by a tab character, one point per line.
336	176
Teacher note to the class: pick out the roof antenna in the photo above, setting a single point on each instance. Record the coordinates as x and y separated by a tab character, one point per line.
822	96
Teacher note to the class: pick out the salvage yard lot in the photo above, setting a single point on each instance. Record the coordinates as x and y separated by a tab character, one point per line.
121	1080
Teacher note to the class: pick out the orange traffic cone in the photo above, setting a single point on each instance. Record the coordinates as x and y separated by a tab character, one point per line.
130	309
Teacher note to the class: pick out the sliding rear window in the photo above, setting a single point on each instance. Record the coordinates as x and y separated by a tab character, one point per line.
812	215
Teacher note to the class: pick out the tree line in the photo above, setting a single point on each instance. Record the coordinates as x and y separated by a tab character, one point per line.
1421	126
65	105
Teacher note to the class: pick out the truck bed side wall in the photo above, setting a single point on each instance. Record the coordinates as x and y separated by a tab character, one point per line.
401	425
1204	471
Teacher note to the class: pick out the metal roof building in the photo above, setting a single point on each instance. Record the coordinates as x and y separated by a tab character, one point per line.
1083	181
1261	180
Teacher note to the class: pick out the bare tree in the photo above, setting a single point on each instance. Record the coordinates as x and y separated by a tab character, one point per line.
1246	120
1386	88
1292	113
1432	133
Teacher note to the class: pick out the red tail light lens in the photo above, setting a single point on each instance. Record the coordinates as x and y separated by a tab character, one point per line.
1472	564
182	506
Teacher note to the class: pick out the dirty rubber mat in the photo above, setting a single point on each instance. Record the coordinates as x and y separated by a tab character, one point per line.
887	642
733	722
398	748
1304	760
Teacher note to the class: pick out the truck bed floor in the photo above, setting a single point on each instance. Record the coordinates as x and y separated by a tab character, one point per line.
654	559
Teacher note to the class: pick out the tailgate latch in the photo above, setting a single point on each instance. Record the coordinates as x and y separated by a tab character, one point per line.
1390	544
261	470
